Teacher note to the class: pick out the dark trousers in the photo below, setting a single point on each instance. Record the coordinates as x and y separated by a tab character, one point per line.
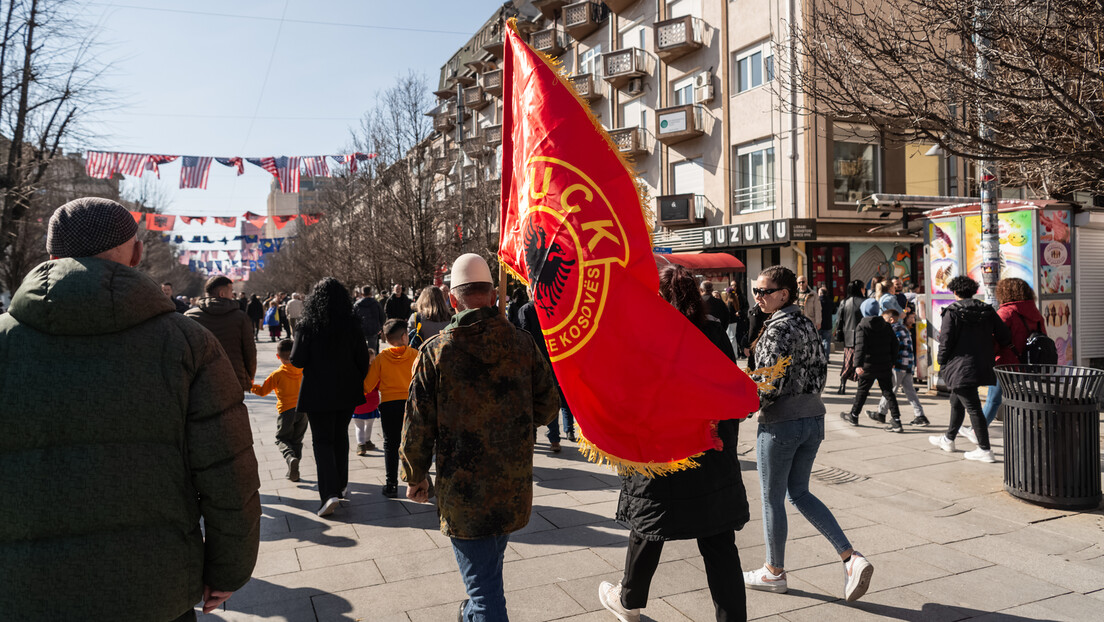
291	427
885	383
330	437
391	419
722	572
965	400
189	616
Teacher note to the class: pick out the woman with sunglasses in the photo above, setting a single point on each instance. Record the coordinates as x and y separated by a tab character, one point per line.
791	428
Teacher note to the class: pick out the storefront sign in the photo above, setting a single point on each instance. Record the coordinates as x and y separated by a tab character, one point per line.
767	232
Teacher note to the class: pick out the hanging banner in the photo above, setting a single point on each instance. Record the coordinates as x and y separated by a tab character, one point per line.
160	222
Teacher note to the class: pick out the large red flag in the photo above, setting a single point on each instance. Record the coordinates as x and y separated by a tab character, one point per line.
645	385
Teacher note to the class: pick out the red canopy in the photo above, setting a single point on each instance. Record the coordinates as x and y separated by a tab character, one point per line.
722	262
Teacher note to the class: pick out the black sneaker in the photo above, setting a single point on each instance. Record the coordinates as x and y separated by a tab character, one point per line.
370	446
920	421
894	426
391	491
876	416
849	418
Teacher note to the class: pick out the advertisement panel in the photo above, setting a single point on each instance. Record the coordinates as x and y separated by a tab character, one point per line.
1017	247
943	242
1058	316
1056	274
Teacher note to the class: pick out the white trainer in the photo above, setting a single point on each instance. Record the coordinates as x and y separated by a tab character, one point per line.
856	574
981	455
329	506
968	433
765	580
610	597
942	442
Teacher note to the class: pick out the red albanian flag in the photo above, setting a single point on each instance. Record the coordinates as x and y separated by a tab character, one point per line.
645	385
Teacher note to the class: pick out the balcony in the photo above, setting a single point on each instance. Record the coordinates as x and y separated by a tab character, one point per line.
494	47
630	141
445	121
492	82
548	8
624	65
582	18
680	209
549	41
475	146
475	98
753	198
678	37
679	123
444	164
492	135
616	6
585	87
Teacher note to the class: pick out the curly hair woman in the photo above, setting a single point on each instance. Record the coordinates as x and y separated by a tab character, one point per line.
330	349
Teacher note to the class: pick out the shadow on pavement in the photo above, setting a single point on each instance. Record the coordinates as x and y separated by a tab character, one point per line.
265	600
935	611
272	518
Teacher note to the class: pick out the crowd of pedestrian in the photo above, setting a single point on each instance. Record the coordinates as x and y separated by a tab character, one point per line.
166	477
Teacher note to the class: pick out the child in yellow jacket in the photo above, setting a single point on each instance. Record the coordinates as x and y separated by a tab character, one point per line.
291	425
391	371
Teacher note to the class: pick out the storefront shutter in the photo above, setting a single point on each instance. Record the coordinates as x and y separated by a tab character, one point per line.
1089	281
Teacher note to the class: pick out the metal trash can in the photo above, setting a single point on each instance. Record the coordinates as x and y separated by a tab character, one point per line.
1052	434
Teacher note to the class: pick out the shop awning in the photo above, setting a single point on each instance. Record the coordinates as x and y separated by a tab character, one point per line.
722	262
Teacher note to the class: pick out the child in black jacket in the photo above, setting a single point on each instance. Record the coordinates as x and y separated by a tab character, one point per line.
876	348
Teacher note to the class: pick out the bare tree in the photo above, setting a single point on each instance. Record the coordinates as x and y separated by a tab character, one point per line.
909	69
160	258
47	84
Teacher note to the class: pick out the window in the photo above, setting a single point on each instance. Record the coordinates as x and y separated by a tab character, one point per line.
856	171
683	92
591	61
924	172
754	67
754	178
688	177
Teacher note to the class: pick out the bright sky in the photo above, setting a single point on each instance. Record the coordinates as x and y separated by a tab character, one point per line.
257	78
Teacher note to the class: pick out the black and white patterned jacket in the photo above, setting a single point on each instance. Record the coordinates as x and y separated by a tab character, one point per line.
797	394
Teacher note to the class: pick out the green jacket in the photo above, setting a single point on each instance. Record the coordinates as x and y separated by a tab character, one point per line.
123	424
480	390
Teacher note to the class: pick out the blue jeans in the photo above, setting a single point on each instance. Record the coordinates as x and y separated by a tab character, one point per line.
785	452
480	564
826	343
568	420
992	403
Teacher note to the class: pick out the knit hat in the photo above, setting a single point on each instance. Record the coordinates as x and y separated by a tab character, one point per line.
88	226
889	301
470	268
870	308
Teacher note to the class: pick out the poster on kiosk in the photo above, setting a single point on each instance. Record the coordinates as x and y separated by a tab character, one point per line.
1035	245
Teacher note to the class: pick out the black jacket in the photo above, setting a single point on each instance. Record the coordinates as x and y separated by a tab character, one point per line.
826	310
969	329
850	314
334	364
694	503
255	311
397	307
530	323
370	314
716	307
876	346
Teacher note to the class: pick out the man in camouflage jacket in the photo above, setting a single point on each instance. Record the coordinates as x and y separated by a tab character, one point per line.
479	391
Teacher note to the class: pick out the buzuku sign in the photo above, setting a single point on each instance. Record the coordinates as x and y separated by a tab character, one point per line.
763	233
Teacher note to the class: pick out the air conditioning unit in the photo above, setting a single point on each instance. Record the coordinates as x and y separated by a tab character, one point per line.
703	94
704	78
635	86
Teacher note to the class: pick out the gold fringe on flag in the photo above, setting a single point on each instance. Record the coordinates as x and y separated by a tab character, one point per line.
626	468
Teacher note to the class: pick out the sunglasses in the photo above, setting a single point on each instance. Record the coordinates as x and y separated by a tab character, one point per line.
765	291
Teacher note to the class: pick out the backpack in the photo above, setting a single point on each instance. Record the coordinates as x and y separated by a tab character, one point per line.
1039	348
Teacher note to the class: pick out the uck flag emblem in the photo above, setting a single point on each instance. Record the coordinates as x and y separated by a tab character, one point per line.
573	227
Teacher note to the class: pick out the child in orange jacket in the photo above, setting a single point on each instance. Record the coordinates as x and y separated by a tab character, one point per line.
291	425
391	372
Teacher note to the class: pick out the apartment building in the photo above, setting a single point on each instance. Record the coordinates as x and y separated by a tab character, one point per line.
309	200
695	93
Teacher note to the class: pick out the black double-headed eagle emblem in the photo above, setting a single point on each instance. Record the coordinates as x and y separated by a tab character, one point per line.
549	266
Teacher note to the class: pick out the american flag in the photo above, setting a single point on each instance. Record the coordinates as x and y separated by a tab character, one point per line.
154	160
236	162
315	166
194	171
288	174
349	160
99	164
268	164
131	164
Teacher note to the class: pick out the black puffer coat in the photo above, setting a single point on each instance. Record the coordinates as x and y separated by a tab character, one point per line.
850	314
876	345
966	337
695	503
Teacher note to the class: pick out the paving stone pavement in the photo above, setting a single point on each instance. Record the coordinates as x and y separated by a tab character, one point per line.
946	541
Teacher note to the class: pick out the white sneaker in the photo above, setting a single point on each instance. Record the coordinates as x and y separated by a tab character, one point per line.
765	580
968	433
329	506
981	455
856	576
942	442
610	597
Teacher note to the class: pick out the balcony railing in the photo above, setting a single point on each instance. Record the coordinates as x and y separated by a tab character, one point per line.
624	65
475	98
492	135
631	141
678	37
753	198
475	146
585	87
492	82
582	18
445	121
679	123
550	41
494	47
548	8
617	6
680	209
444	164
